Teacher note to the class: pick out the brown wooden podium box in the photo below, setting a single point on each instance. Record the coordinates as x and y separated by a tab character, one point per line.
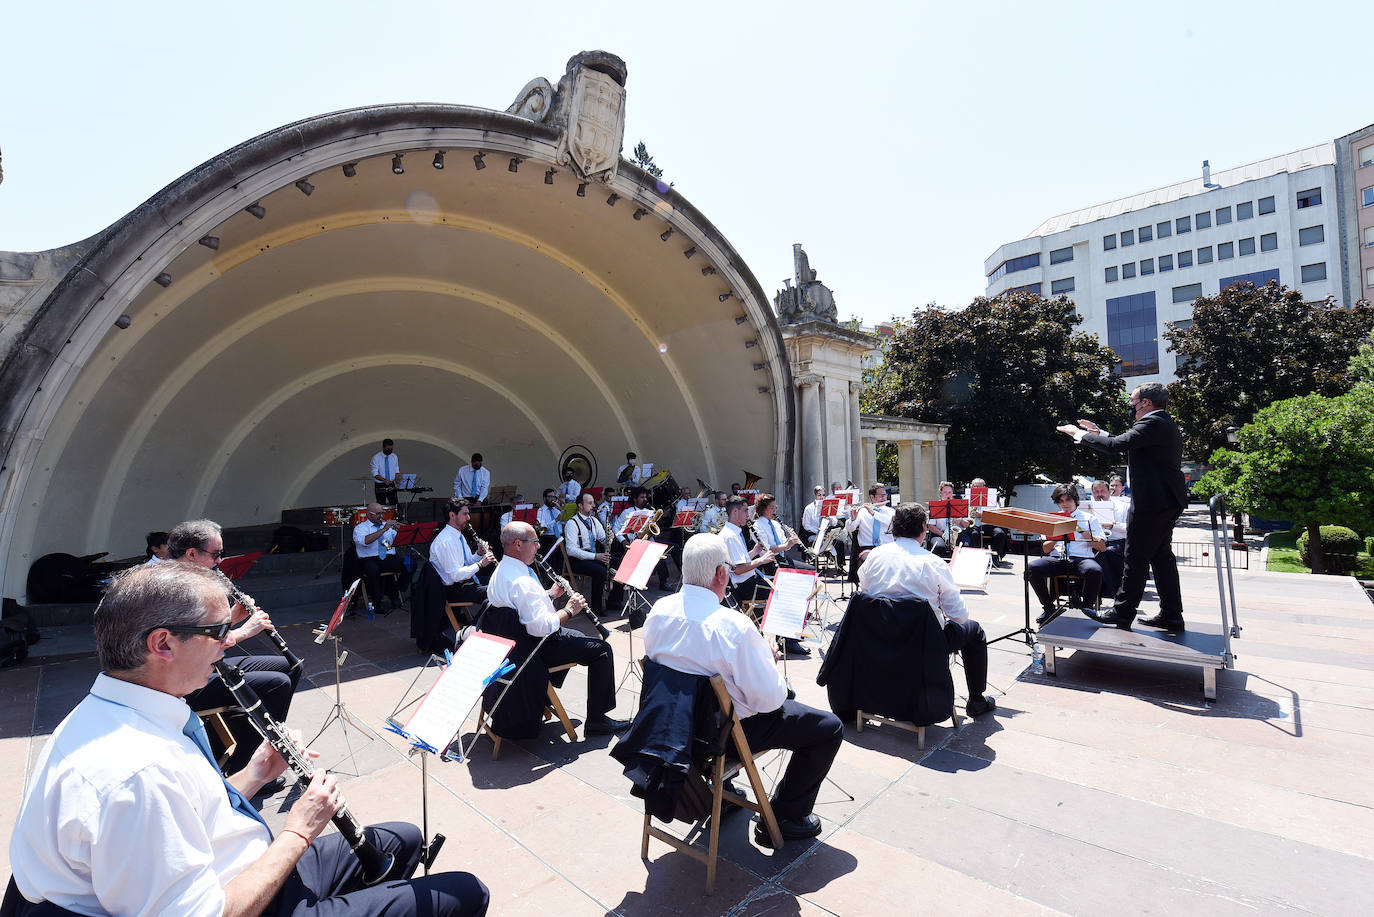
1049	525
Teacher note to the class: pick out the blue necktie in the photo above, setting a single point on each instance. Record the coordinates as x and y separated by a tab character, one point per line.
386	467
381	549
877	531
773	530
195	731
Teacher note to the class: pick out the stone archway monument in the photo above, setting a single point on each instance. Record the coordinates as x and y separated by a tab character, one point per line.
920	454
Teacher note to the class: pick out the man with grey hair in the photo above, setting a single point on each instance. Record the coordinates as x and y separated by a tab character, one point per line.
692	632
129	771
200	543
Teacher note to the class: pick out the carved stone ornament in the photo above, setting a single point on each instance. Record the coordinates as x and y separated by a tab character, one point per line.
808	301
588	105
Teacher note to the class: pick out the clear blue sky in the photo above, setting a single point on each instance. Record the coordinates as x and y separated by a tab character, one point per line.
901	143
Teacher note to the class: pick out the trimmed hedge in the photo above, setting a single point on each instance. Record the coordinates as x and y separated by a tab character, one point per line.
1340	548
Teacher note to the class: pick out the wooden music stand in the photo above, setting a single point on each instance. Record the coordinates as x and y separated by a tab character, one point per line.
1048	525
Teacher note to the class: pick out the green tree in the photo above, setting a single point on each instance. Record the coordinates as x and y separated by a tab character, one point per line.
1309	459
645	161
1248	347
1361	368
1002	373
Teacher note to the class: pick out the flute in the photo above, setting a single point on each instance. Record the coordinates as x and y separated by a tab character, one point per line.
293	662
376	865
586	609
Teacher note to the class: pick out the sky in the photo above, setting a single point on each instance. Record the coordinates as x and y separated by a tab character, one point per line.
901	143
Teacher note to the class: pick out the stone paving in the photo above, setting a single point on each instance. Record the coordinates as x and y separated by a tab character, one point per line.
1110	788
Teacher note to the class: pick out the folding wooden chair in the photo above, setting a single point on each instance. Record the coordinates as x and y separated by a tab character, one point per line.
717	769
920	731
554	708
216	726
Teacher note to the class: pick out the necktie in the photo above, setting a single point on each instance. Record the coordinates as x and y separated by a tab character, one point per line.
381	546
195	731
773	530
877	531
386	466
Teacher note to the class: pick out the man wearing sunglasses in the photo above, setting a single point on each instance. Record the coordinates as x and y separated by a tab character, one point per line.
200	542
127	813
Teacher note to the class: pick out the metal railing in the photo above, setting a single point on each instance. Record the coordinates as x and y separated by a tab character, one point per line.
1202	554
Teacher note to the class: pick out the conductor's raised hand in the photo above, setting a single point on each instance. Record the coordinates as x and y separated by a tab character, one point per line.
1089	426
1067	429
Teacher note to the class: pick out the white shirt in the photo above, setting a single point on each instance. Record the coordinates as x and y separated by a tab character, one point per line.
1088	528
382	464
811	516
514	585
1123	512
580	535
862	524
636	476
367	527
690	631
153	559
739	554
548	518
466	480
125	815
902	569
569	491
452	558
710	518
505	519
770	531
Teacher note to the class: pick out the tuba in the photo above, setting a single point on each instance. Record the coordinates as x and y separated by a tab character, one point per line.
750	479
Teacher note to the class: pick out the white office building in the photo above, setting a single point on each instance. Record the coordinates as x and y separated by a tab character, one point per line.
1134	265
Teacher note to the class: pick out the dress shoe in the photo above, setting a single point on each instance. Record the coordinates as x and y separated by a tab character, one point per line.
1046	616
810	826
1110	617
979	705
1171	623
606	726
795	647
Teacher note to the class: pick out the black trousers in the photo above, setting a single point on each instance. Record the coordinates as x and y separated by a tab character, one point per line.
274	685
469	590
813	736
986	536
385	493
1149	547
1041	570
937	545
570	646
374	567
327	882
754	589
596	572
966	638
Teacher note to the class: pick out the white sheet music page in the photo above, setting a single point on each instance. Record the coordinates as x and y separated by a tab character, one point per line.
970	566
441	714
785	615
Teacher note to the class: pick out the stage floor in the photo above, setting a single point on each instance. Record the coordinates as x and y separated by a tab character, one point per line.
1109	788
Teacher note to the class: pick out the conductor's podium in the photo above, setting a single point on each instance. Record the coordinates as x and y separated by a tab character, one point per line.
1201	644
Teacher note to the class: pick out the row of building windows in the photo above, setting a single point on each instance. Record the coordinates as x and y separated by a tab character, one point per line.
1203	220
1027	288
1132	331
1310	235
1012	265
1192	291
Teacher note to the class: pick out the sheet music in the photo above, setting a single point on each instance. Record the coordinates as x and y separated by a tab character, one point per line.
646	471
639	562
785	615
970	566
442	711
408	481
1101	510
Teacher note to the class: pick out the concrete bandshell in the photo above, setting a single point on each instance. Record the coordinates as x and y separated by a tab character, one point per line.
69	363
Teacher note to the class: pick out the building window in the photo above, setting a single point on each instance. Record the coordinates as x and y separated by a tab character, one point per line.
1369	237
1111	274
1027	288
1226	251
1185	259
1146	233
1245	211
1183	224
1147	266
1269	242
1164	230
1367	196
1311	235
1204	255
1369	277
1166	263
1266	205
1367	156
1187	294
1127	237
1314	272
1247	246
1223	215
1060	255
1258	278
1012	265
1109	242
1132	332
1309	198
1203	219
1063	285
1128	270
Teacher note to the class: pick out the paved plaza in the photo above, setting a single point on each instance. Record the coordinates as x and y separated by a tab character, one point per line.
1110	788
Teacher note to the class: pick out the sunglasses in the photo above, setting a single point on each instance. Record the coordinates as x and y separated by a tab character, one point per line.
213	631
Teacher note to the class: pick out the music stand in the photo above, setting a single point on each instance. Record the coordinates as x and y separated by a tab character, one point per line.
340	712
235	567
1026	520
954	508
638	564
412	534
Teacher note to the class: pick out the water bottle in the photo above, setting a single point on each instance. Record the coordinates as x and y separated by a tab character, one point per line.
371	612
1037	660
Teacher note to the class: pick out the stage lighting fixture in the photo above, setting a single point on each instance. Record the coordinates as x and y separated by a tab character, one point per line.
256	209
741	319
707	271
396	167
639	213
439	160
123	322
666	233
764	390
210	242
548	177
610	201
690	252
514	164
163	280
724	296
760	367
750	344
477	162
350	169
306	188
581	189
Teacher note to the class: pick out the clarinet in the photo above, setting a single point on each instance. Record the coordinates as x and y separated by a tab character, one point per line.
560	581
293	662
376	865
482	546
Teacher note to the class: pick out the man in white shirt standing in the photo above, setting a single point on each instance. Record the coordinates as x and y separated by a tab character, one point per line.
129	771
871	525
581	534
373	538
691	631
514	585
569	490
454	559
903	569
472	481
386	473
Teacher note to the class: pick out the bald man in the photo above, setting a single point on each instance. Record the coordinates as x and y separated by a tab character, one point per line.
373	538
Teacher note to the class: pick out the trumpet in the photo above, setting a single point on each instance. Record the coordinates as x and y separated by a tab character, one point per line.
293	662
567	587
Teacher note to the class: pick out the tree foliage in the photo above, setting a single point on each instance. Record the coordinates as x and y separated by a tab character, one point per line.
1361	368
645	161
1248	347
1308	459
1002	373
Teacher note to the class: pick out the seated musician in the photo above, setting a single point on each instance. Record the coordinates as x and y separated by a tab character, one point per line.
811	516
581	535
386	474
871	525
1114	529
839	536
514	585
604	508
1068	557
903	569
981	535
629	474
639	499
157	548
941	532
472	480
748	561
373	538
127	813
714	516
550	527
786	547
692	632
506	516
457	562
200	543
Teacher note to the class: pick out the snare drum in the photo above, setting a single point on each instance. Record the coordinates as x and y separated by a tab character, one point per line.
361	513
336	515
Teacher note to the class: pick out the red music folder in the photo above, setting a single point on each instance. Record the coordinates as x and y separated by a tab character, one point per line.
830	506
235	567
948	509
1065	537
978	496
685	519
526	513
